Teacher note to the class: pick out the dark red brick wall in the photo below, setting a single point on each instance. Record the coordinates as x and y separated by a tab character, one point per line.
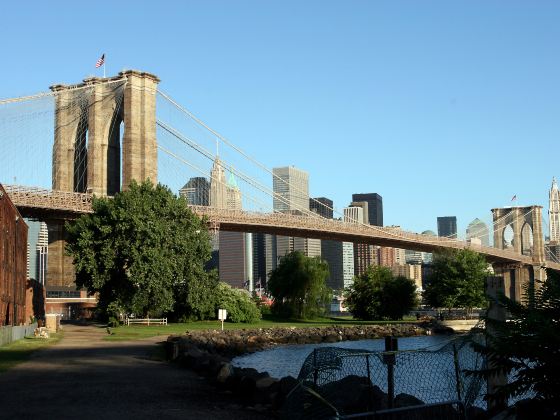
13	263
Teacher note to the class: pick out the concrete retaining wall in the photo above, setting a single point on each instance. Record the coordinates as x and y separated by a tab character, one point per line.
10	334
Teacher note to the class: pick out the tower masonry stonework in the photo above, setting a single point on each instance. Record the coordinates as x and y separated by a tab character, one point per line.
525	229
88	153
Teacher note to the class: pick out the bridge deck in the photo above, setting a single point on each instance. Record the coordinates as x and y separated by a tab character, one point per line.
67	205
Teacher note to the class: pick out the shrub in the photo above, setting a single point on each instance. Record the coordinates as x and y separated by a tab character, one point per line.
376	294
238	304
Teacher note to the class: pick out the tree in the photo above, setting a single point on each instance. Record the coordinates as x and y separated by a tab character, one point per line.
298	286
376	294
144	251
238	303
526	348
457	280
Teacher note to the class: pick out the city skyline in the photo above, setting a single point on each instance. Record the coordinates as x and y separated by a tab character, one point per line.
334	74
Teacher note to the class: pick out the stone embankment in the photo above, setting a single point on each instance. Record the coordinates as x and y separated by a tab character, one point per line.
231	343
209	353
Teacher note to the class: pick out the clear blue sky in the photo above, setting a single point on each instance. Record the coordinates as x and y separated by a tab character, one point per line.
442	107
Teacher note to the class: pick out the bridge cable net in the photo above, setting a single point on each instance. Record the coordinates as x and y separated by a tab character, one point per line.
188	150
30	135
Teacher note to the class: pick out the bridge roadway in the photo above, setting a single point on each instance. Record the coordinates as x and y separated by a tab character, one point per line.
43	203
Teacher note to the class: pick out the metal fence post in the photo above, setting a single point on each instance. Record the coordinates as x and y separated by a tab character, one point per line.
315	371
367	365
458	383
391	345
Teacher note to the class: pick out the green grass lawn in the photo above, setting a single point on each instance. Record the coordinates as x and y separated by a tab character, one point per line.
137	332
20	351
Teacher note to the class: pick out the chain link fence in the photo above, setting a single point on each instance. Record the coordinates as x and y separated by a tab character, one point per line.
391	384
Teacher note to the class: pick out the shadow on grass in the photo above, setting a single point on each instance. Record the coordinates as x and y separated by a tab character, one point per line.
21	350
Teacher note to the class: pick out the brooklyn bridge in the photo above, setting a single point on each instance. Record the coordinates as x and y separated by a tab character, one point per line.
107	132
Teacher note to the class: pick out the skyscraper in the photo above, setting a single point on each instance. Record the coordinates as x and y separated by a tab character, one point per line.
235	249
291	189
264	257
364	254
322	206
196	191
340	255
554	213
291	195
447	226
218	185
478	229
375	207
427	257
388	256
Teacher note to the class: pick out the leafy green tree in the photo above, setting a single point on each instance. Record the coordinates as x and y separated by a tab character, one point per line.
526	348
298	286
238	303
458	280
144	250
376	294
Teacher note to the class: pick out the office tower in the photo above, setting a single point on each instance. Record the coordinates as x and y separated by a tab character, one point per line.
478	229
388	256
375	207
365	255
291	195
196	191
410	271
322	206
427	257
340	258
233	259
291	189
554	213
218	185
264	261
354	215
447	227
287	244
233	194
42	252
413	257
235	253
340	255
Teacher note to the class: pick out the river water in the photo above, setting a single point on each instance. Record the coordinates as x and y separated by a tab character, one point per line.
287	360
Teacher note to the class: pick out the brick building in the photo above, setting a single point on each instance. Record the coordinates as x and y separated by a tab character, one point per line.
13	263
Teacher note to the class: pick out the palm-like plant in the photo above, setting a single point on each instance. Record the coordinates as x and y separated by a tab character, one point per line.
526	348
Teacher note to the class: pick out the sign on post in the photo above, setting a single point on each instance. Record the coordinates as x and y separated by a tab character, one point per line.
222	314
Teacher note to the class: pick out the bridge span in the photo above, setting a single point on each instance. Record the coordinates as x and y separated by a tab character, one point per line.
49	204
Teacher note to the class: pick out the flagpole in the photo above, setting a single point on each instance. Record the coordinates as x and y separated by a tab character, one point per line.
104	61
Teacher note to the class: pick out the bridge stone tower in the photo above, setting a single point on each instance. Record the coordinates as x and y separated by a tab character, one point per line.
87	146
524	225
89	154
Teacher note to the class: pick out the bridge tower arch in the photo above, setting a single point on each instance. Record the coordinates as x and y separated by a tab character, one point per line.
526	224
88	153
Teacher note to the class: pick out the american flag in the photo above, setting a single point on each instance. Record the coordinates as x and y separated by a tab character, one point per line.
101	61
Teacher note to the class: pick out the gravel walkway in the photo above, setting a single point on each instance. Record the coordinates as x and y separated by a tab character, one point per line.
85	377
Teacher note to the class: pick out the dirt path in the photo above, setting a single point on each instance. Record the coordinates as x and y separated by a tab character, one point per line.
84	377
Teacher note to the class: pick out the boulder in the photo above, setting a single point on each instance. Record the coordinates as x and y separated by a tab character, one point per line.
286	384
225	372
406	400
190	356
354	394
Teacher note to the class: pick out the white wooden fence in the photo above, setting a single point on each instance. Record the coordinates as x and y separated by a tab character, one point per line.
146	321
